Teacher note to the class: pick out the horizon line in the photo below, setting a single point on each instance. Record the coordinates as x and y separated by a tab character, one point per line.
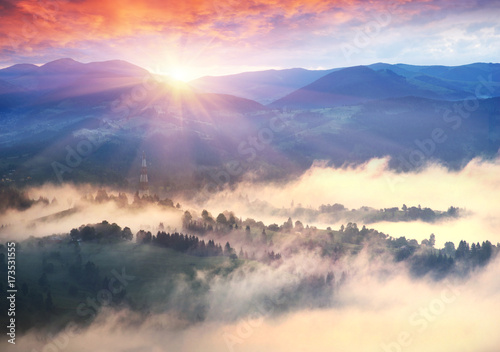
261	69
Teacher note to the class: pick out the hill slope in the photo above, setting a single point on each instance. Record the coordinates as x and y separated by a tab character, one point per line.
83	131
262	86
353	86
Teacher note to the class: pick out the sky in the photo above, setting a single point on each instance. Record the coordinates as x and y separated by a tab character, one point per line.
193	38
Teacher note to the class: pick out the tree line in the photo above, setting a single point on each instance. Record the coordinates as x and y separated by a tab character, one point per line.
186	244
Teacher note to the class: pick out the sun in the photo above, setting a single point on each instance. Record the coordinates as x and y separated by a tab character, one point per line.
179	74
176	72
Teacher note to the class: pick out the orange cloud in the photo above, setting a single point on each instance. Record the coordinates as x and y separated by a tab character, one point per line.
270	33
27	24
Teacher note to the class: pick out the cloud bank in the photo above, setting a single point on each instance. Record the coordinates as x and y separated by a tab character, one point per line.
213	37
373	184
379	307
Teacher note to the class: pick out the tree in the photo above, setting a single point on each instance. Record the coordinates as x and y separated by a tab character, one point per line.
263	236
427	214
452	211
352	228
221	219
232	220
473	251
363	231
400	242
127	234
351	234
186	219
273	227
122	200
137	198
228	250
87	233
414	243
485	253
449	248
207	218
298	226
143	236
101	196
166	203
287	225
462	251
432	240
330	278
75	234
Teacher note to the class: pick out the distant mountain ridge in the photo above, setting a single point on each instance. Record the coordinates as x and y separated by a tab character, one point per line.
116	110
356	85
261	86
70	66
59	80
271	87
436	82
191	136
71	75
351	86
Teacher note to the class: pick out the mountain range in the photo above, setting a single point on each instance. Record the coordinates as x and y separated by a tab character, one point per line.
299	88
262	86
71	121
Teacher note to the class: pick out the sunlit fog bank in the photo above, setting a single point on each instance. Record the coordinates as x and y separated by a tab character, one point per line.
69	207
374	184
297	288
473	228
474	189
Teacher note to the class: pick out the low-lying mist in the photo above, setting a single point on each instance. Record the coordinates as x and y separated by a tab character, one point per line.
378	308
71	209
308	301
474	189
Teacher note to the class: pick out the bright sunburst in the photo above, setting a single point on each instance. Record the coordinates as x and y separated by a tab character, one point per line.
179	74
